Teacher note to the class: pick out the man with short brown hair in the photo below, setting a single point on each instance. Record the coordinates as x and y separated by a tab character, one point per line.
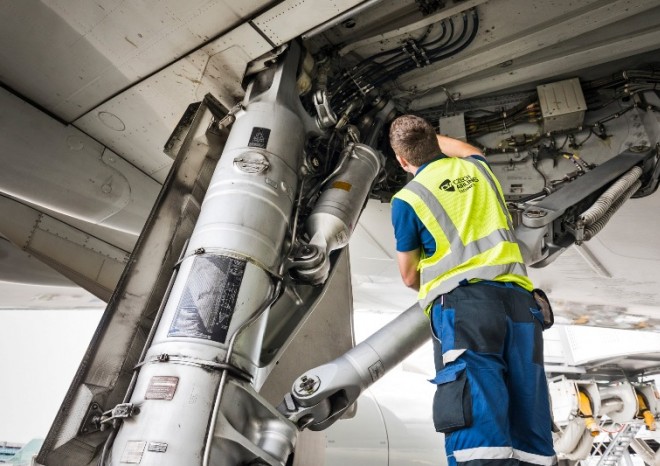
455	245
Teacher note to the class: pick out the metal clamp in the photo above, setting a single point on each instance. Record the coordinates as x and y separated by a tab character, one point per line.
326	117
119	412
203	363
307	416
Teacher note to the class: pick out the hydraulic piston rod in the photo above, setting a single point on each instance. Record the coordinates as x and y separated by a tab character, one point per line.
321	395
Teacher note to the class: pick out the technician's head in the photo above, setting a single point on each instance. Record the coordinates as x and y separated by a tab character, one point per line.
413	139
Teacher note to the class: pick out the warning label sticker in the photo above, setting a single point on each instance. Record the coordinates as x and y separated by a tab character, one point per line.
133	452
377	370
209	298
259	137
157	447
161	388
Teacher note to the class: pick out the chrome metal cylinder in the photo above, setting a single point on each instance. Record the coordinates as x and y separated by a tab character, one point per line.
337	211
356	370
236	248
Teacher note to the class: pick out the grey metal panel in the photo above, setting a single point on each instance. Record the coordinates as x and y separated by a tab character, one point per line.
137	122
518	28
20	267
392	38
544	40
325	335
276	23
85	260
69	55
64	170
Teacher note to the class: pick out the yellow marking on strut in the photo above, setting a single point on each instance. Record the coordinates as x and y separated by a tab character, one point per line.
342	185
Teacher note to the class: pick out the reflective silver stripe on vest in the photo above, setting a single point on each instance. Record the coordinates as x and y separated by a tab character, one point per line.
485	273
461	253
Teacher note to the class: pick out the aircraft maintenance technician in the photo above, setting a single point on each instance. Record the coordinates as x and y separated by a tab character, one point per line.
455	245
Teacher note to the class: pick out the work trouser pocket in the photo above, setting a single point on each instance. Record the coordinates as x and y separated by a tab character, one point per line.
547	316
452	403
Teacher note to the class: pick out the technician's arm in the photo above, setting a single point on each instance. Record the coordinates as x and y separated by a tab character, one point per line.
408	268
454	148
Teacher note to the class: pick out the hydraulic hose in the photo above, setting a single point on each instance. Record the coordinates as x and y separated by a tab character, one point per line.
604	203
591	231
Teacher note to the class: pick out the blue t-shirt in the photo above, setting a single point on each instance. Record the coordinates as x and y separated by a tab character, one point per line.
409	231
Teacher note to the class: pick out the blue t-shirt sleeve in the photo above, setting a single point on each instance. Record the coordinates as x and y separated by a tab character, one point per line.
480	157
405	223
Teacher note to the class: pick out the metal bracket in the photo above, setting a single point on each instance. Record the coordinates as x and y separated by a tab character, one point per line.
263	62
326	117
92	420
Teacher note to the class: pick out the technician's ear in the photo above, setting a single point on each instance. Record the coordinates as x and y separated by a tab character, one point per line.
404	163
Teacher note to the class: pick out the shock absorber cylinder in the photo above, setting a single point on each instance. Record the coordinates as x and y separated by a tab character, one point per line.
338	208
231	263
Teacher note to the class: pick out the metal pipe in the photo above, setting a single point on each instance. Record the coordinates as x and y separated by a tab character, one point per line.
276	293
346	377
645	452
613	405
569	438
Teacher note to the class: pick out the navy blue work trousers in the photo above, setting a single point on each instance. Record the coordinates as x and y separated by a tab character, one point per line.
492	399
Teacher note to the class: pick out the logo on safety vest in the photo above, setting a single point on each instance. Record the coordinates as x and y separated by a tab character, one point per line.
446	185
461	184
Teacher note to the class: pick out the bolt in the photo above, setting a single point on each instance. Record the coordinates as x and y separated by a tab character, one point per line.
163	357
349	23
535	213
307	384
199	251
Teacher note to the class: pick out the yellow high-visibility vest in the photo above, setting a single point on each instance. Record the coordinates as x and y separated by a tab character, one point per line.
461	204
